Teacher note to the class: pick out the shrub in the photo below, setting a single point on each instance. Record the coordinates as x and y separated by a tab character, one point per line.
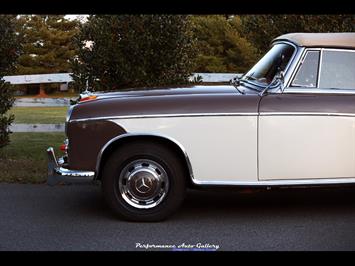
9	47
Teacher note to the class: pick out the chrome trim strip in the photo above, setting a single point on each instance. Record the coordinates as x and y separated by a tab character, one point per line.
137	134
69	112
290	69
67	118
305	114
162	116
320	67
318	91
350	50
310	182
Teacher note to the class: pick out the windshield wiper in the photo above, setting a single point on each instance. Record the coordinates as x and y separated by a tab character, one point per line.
250	77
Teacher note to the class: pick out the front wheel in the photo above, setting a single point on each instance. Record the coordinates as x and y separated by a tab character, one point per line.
143	182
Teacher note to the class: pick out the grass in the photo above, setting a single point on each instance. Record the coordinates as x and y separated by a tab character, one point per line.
39	115
24	160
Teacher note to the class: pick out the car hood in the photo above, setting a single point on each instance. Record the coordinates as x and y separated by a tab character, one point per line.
195	100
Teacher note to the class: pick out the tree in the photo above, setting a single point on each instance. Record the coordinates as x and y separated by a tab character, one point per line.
9	47
261	29
221	47
121	51
47	44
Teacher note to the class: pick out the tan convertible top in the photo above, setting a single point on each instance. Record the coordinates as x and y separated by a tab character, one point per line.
336	40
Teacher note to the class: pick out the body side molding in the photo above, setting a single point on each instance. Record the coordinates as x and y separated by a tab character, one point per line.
164	115
282	182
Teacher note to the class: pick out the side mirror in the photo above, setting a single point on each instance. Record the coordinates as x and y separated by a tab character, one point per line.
278	79
235	81
280	76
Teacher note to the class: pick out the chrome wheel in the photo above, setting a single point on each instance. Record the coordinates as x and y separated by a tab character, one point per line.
143	183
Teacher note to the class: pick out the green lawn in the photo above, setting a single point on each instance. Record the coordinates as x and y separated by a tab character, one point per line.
24	160
39	115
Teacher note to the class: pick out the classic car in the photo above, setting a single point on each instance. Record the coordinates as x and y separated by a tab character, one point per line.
288	121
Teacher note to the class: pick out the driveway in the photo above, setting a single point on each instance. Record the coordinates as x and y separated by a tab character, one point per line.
75	217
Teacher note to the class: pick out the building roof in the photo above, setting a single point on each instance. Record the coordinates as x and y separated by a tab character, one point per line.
335	40
39	78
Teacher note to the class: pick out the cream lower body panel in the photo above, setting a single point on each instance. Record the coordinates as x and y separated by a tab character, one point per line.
306	147
221	149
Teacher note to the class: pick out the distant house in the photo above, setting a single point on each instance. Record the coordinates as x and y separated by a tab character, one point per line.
36	84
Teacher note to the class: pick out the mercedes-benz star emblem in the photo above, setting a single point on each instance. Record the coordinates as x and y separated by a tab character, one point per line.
142	184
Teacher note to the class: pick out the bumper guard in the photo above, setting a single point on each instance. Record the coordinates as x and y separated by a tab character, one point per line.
58	174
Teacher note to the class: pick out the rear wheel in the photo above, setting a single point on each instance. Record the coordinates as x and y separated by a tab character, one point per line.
143	181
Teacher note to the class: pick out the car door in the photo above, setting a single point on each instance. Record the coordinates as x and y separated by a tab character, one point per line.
308	130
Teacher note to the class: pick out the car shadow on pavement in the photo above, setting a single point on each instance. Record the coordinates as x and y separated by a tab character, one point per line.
231	203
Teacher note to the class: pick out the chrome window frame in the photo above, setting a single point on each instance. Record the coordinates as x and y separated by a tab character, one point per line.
301	61
290	63
317	90
320	66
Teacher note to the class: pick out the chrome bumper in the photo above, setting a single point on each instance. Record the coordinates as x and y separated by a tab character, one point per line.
57	174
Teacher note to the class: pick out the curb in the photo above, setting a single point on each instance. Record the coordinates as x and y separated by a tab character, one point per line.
37	127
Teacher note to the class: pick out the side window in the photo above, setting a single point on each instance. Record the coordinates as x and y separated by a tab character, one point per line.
307	73
337	70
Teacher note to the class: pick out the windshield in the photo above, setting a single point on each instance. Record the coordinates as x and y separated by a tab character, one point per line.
274	61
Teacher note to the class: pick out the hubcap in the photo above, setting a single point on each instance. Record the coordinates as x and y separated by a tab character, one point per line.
143	183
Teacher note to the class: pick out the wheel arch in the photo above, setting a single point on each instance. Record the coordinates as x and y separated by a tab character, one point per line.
125	138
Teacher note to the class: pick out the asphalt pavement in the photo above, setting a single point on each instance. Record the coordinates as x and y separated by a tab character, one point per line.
75	217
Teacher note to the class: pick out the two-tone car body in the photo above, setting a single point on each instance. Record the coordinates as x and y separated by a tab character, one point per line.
290	120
